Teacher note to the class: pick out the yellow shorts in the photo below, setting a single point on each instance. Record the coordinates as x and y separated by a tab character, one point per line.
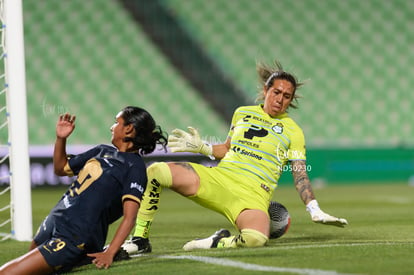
229	193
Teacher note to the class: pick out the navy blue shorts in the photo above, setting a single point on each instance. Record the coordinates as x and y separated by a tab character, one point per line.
61	254
59	250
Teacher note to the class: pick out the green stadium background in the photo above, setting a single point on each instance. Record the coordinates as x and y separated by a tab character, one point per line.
190	62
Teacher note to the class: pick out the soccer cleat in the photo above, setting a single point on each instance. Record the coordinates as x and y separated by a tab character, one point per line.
121	255
136	245
206	243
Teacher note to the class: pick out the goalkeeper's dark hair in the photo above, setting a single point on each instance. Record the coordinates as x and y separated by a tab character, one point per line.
268	74
147	133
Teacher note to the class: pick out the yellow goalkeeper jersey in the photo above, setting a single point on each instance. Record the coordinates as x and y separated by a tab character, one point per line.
262	145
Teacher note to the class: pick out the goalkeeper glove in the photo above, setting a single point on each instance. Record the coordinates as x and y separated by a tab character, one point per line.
319	216
181	141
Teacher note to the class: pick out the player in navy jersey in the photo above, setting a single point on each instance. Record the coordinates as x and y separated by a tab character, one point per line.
110	184
262	139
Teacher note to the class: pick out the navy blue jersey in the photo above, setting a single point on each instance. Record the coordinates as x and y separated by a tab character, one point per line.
105	178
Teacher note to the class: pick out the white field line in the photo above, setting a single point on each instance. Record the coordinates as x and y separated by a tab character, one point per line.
253	267
340	245
256	267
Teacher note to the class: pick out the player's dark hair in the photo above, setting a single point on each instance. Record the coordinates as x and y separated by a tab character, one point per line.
147	133
268	75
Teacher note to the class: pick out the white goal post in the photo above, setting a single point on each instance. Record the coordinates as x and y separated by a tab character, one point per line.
16	106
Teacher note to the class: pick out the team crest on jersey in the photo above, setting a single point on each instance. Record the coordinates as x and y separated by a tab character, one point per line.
278	128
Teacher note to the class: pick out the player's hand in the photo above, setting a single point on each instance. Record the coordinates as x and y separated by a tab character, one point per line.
181	141
65	125
102	259
319	216
322	217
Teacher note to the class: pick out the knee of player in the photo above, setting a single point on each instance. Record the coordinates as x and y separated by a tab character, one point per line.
159	174
253	238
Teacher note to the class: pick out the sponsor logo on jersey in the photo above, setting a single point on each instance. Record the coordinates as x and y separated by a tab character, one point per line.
262	120
245	152
248	143
266	188
154	194
137	186
66	202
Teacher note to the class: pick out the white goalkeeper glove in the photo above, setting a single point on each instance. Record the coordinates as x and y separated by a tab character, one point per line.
319	216
181	141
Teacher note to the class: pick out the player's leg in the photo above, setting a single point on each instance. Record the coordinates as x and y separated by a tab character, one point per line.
254	219
45	230
159	176
254	227
254	231
245	209
32	262
179	177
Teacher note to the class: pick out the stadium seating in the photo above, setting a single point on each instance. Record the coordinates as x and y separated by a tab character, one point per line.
354	55
89	58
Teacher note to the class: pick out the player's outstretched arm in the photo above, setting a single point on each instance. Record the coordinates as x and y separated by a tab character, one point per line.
64	128
182	141
304	188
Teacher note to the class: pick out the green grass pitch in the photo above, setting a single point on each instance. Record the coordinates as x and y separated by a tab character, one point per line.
378	240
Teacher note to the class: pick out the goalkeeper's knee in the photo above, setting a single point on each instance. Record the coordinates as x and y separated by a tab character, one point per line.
252	238
159	174
246	238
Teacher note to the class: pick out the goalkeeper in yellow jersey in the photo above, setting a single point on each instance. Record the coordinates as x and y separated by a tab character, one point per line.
261	140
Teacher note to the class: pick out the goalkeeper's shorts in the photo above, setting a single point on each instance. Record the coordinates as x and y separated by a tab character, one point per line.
229	193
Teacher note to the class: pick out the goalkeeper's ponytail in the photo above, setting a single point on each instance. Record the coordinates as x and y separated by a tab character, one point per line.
147	133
